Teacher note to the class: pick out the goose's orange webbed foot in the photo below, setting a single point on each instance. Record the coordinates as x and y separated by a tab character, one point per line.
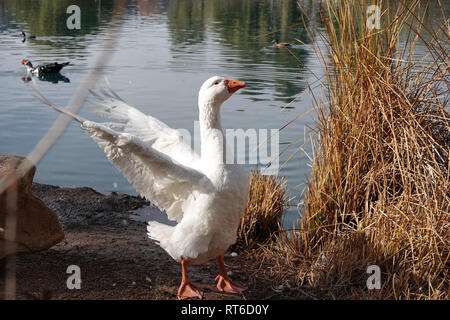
226	285
188	290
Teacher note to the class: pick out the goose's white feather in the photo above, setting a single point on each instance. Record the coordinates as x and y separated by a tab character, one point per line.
149	180
156	176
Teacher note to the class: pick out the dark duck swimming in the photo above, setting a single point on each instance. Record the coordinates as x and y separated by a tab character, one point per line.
53	67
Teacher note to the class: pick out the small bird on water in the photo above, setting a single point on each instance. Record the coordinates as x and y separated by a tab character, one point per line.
27	37
280	44
43	68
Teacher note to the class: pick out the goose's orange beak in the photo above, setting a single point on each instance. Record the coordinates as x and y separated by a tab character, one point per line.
234	85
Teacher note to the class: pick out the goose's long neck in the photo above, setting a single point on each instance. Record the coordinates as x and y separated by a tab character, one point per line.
212	138
209	116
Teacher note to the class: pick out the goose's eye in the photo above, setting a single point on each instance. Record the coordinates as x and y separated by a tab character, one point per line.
217	82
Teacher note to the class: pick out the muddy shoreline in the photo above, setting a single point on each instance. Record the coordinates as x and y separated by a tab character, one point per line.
115	256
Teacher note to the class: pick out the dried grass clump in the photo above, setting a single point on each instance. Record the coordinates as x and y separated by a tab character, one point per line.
267	202
380	186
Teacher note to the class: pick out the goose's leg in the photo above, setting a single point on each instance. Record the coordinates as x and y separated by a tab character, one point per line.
187	289
225	283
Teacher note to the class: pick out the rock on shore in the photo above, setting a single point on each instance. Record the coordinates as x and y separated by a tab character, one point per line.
37	226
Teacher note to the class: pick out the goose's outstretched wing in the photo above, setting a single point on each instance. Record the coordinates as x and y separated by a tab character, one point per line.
155	133
161	179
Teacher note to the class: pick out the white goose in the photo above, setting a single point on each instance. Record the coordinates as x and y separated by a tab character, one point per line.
203	193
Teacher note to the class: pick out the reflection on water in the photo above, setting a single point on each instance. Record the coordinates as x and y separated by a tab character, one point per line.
166	50
236	27
48	17
49	77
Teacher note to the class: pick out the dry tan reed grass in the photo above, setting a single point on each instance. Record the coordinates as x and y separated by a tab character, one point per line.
266	205
379	192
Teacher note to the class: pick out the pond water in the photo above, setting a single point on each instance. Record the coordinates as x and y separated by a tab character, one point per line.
166	50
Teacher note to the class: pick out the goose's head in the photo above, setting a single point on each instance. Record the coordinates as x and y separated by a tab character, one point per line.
216	90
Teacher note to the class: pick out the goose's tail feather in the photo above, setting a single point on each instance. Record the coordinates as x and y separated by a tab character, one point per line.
159	232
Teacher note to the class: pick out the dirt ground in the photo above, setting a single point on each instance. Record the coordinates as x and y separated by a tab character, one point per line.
116	258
